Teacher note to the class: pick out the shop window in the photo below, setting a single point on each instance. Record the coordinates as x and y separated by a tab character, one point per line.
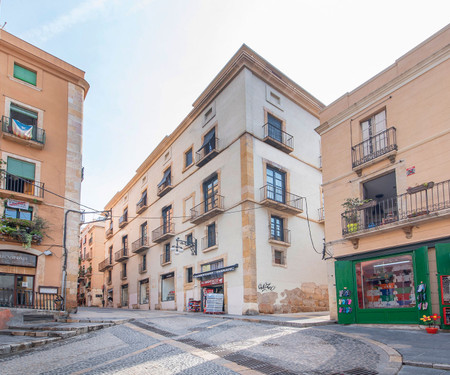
124	295
25	74
188	158
168	287
144	292
18	213
189	277
386	283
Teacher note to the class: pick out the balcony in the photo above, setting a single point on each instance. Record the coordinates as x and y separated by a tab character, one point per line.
164	188
283	237
210	242
141	206
378	147
121	255
10	130
88	272
108	281
281	200
205	154
123	220
163	232
142	268
140	245
91	240
278	138
123	275
419	204
109	232
105	265
321	213
209	208
88	255
23	188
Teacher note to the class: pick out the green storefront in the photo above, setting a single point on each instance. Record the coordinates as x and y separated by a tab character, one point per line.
393	285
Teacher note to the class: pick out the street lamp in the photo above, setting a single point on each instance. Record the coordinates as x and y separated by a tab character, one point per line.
191	245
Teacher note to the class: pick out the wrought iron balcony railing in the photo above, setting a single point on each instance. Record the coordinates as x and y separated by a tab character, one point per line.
207	153
21	185
121	255
163	232
123	220
212	206
37	134
281	199
278	138
415	205
140	244
374	147
280	236
141	205
210	241
104	265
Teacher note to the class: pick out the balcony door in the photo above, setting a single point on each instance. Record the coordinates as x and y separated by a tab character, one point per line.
20	177
373	134
167	218
144	233
276	184
210	192
275	131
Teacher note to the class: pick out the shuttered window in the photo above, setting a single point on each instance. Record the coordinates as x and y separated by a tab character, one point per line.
24	74
21	168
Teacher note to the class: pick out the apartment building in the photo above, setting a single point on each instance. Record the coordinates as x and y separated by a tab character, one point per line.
42	112
90	279
386	184
222	213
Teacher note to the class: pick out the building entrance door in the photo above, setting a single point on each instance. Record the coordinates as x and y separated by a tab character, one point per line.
16	290
6	290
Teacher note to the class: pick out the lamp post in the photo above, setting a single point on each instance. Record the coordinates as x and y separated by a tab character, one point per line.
191	245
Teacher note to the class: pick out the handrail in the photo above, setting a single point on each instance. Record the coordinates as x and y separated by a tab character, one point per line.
278	135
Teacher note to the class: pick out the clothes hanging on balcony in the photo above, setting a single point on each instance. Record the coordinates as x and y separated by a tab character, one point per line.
21	130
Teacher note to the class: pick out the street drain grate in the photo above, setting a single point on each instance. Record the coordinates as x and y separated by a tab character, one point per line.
356	371
257	365
153	329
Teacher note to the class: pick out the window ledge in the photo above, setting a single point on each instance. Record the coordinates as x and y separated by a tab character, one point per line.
188	167
28	142
280	243
25	83
279	265
166	263
211	248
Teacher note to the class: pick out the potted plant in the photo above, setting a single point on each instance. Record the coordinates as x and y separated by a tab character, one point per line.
430	322
351	215
421	187
24	231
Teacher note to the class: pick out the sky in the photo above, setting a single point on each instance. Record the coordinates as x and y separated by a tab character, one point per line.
147	61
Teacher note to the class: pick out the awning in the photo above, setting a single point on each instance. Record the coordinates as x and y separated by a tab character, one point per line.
218	272
208	138
165	177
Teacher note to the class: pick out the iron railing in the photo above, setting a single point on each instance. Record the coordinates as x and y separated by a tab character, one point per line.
374	147
417	202
210	241
274	133
122	254
163	231
123	220
141	204
282	236
282	196
22	185
107	263
163	188
140	244
207	153
37	135
215	202
29	300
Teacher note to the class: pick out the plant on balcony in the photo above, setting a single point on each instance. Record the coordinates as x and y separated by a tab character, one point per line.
24	231
352	205
421	187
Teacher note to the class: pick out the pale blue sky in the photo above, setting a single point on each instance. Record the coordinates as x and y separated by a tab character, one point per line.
148	60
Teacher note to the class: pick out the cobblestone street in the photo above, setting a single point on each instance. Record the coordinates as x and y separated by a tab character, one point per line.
180	344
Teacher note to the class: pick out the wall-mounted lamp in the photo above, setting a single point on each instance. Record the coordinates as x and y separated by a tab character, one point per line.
191	245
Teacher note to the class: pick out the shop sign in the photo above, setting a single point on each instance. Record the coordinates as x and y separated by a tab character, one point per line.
14	258
17	204
218	272
216	281
48	290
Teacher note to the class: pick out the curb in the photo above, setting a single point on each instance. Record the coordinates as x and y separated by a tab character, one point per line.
437	366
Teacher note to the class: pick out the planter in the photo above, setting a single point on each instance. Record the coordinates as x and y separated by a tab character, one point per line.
432	330
416	189
370	204
351	228
419	213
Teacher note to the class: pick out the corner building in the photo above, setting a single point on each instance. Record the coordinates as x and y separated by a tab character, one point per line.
234	179
385	147
41	113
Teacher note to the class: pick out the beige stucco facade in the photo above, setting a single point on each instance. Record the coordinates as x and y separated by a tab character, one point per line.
39	87
91	253
387	136
221	196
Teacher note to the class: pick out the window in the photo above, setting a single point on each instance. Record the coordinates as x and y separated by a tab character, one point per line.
18	213
144	291
188	158
143	201
124	270
24	74
386	283
23	122
209	142
276	184
166	180
189	239
275	128
110	254
211	235
20	177
166	253
370	128
167	219
125	214
189	277
279	257
109	276
124	295
167	287
276	228
144	262
209	114
210	193
143	231
125	244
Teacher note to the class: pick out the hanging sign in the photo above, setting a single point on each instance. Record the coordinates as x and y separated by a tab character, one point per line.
17	204
216	281
15	258
218	272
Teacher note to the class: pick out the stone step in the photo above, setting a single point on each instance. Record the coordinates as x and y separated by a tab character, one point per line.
63	327
17	332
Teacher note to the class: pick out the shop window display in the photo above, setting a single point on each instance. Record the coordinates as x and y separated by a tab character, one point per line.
386	283
168	287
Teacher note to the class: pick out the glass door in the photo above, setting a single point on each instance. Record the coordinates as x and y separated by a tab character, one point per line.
6	290
275	185
24	290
